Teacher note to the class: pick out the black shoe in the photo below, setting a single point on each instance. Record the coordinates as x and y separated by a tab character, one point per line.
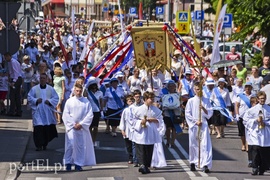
192	167
18	115
10	114
206	170
3	111
78	168
142	169
254	171
39	149
147	170
68	167
44	147
261	172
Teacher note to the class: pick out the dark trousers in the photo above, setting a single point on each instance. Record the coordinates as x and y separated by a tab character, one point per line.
129	149
15	97
260	158
250	149
44	134
144	154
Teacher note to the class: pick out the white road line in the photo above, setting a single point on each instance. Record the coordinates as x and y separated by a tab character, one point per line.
110	148
151	178
185	154
101	178
109	167
203	178
180	161
47	178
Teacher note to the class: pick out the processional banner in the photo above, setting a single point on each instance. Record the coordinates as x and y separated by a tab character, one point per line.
150	48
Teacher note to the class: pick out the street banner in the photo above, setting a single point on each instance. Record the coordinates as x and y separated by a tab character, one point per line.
216	54
150	48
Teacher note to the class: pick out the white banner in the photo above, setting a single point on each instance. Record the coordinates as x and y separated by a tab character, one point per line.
216	54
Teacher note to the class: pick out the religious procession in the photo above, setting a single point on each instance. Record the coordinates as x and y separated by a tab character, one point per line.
144	80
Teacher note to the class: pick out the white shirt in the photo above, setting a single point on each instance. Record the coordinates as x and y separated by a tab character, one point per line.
27	75
33	53
111	103
225	95
99	97
14	68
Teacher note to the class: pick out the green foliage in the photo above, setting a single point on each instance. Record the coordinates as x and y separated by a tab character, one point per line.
248	14
256	60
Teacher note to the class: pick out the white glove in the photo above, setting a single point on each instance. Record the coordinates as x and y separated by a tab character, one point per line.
237	117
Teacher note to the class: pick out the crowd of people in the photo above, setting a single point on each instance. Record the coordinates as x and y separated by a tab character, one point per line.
145	105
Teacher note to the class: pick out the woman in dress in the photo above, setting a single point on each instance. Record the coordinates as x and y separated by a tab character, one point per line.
134	82
59	86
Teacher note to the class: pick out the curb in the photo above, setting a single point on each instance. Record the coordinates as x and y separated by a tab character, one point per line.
15	175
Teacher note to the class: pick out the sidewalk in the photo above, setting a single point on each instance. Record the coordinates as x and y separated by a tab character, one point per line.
15	135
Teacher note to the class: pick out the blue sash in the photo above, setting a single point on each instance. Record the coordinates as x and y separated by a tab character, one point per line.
94	99
245	99
117	99
164	91
222	103
177	127
186	86
102	89
208	94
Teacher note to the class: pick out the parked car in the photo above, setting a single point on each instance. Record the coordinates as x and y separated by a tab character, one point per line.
226	47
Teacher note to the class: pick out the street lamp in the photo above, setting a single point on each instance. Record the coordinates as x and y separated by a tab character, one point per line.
154	14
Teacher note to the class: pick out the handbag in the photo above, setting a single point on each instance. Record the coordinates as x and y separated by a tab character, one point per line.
177	119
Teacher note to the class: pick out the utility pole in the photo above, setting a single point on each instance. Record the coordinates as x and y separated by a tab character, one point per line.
201	17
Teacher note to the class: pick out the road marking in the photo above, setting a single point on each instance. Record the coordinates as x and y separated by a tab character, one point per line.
151	178
47	178
104	178
109	167
111	148
180	161
203	178
185	154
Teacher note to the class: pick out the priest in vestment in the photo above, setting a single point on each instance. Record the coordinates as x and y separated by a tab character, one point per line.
77	117
192	112
43	100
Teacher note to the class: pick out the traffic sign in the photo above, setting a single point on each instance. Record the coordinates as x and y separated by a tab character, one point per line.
227	21
192	16
132	11
159	10
105	5
182	16
199	15
182	22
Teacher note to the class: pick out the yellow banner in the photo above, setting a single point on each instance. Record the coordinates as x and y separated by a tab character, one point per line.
150	48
